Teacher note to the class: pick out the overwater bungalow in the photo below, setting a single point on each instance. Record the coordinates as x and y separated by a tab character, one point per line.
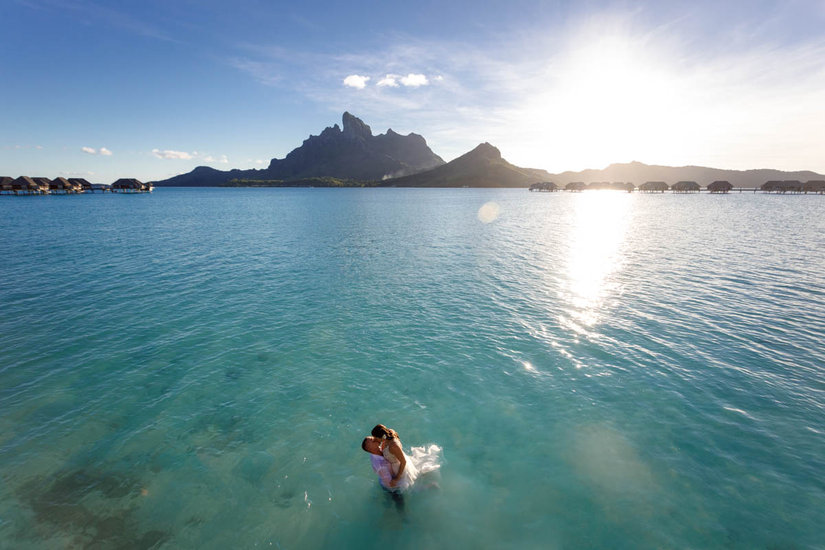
814	186
84	185
575	186
5	184
788	186
720	186
685	187
131	185
544	186
25	185
45	184
62	185
653	187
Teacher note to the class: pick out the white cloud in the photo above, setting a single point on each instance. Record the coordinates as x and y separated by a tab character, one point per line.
414	80
176	155
356	81
92	151
391	81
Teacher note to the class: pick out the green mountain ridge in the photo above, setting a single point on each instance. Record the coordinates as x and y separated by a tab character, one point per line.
481	167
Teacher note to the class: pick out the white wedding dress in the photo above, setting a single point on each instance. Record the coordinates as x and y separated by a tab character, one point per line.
420	461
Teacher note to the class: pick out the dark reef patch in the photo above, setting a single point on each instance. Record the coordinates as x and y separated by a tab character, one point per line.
57	503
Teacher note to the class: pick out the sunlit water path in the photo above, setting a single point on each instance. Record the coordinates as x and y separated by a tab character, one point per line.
196	368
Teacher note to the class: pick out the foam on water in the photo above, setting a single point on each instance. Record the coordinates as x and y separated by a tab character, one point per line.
197	368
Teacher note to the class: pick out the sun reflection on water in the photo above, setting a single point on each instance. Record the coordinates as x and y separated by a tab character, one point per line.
601	221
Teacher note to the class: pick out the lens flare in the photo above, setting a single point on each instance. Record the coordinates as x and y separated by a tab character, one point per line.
489	212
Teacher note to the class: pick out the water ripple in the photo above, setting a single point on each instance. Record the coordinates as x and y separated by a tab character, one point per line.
197	367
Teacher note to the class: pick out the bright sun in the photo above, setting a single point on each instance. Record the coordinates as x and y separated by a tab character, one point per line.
610	100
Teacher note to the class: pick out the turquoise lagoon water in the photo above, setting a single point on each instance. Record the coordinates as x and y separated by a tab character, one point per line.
196	369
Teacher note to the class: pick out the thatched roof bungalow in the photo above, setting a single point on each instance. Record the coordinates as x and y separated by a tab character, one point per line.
720	186
5	184
29	186
686	187
814	186
130	185
653	187
84	185
575	186
45	184
788	186
544	186
82	182
63	185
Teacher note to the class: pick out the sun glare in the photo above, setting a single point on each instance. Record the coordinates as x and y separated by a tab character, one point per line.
596	239
615	101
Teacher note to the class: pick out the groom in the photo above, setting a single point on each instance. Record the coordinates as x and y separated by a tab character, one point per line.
379	463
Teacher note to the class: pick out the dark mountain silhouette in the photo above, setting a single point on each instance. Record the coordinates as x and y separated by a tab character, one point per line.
638	173
353	156
351	153
481	167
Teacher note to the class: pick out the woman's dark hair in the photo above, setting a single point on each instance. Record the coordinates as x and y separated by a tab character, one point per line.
383	432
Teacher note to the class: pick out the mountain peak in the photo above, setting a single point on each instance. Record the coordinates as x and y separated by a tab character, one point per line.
355	127
485	150
481	167
351	153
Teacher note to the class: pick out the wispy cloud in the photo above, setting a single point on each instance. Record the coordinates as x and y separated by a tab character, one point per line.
391	81
105	13
412	80
265	72
19	146
92	151
171	154
174	155
221	159
609	87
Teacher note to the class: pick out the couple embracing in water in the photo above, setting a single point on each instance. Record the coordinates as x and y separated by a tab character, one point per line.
396	470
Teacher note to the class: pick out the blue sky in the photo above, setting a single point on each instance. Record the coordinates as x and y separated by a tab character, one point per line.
150	89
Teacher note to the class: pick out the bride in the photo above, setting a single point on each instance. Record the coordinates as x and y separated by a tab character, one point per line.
403	470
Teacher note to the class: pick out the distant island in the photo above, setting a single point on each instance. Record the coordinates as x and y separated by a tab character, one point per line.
348	156
351	156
